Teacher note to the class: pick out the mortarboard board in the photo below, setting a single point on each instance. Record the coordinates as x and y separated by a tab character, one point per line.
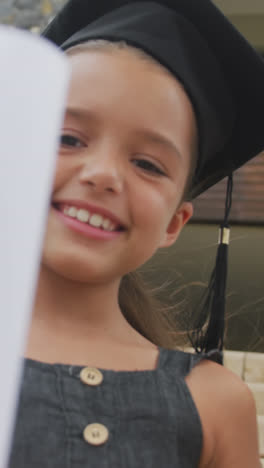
222	74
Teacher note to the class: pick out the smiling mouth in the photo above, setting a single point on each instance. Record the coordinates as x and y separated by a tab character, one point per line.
94	220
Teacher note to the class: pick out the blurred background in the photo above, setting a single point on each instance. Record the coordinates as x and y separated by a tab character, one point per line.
184	269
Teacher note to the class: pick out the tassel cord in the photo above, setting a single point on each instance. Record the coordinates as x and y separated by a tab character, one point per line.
213	303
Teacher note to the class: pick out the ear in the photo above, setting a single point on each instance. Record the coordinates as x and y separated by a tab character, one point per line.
179	219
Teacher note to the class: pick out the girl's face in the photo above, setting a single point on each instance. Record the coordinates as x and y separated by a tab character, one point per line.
127	144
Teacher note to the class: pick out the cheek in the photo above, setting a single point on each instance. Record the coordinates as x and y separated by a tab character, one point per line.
62	173
155	207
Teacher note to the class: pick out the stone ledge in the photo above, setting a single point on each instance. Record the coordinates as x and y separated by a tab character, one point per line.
261	435
254	367
235	361
258	393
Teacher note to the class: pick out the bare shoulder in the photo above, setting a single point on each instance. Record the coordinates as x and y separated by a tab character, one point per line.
228	415
222	381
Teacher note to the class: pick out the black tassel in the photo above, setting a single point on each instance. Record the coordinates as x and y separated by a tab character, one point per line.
213	304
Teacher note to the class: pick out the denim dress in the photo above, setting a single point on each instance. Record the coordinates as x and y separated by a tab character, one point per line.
72	416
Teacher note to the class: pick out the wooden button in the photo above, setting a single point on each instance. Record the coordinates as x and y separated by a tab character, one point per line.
96	434
91	376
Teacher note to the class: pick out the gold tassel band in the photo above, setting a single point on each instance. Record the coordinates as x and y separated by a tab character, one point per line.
224	236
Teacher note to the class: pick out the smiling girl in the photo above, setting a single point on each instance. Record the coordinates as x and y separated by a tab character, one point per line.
120	178
151	120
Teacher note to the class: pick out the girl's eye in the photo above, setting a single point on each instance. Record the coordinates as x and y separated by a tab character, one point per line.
71	141
148	166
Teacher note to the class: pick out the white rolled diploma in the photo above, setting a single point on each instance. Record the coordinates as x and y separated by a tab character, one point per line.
34	77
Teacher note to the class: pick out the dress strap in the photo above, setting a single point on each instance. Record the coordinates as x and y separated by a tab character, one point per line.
214	355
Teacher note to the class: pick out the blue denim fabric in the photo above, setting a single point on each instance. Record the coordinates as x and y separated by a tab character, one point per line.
151	417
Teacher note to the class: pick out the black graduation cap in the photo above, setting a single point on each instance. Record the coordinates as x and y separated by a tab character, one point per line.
222	74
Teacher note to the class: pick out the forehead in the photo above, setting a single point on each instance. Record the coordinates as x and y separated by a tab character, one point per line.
121	87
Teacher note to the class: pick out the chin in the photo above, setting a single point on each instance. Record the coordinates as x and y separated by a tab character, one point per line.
75	269
68	260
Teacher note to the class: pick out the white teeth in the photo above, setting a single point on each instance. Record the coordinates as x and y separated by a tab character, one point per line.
96	220
72	211
111	227
83	215
106	224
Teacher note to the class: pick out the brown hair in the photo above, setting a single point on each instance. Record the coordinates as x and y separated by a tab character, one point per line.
138	301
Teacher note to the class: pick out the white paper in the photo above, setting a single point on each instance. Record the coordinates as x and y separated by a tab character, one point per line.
33	83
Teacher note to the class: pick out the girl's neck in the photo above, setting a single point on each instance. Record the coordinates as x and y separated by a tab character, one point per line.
77	323
78	307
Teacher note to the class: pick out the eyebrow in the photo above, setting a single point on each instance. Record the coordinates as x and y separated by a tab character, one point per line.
157	138
80	113
147	135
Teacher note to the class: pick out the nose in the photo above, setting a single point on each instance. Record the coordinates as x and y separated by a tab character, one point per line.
102	172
